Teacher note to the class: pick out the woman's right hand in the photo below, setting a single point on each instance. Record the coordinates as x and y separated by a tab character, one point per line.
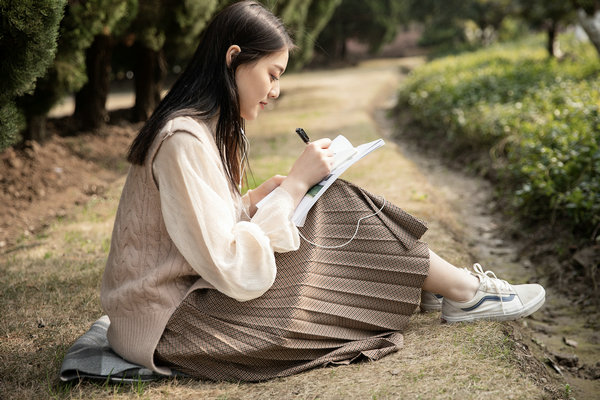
310	168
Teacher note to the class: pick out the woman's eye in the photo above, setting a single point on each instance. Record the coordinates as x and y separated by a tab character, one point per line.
274	78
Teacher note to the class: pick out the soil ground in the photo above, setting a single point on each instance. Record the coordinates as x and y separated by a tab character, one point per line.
58	203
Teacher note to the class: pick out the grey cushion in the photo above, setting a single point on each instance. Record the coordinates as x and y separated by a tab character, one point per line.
91	357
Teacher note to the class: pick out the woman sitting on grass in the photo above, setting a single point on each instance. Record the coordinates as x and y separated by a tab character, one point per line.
201	281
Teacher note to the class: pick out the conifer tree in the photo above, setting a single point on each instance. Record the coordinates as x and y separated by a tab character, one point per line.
167	32
164	27
112	18
305	19
28	39
373	22
81	23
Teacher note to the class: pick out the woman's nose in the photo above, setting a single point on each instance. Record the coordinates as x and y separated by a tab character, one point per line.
274	93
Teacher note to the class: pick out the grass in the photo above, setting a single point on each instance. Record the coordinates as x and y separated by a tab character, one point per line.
49	284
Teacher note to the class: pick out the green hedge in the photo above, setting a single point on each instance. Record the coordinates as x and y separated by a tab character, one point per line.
539	119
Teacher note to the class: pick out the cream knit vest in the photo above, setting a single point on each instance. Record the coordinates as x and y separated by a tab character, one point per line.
146	277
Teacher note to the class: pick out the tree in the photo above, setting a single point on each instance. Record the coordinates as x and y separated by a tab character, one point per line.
372	22
547	15
79	26
442	20
112	17
28	40
163	27
167	32
488	16
185	25
305	19
456	23
588	14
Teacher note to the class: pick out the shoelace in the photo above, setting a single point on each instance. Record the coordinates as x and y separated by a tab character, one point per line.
490	278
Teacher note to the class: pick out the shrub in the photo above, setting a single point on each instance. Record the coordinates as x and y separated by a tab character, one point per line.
28	35
538	117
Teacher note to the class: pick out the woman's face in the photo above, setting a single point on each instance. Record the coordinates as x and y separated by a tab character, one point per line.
258	82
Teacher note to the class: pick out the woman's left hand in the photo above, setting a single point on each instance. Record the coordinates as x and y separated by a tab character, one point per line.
263	190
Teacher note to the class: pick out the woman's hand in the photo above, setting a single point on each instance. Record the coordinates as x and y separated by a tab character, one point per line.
263	190
310	168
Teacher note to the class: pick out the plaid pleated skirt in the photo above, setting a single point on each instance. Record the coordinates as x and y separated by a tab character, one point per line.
332	302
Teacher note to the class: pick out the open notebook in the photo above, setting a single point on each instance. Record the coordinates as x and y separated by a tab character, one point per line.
345	154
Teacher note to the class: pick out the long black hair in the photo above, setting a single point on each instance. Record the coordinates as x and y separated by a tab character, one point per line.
207	87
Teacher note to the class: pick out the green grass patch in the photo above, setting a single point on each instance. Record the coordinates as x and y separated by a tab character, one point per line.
535	121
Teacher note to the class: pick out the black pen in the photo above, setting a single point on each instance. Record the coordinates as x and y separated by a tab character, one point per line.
302	135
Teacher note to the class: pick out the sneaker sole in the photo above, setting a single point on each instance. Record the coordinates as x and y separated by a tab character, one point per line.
536	303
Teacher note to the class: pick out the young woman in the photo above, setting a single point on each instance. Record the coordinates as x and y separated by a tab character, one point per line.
201	281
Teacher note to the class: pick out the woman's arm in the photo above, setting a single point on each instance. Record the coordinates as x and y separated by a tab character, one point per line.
201	217
259	193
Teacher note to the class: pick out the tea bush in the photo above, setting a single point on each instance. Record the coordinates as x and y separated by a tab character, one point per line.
538	118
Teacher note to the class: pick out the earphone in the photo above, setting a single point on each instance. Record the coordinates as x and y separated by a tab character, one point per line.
353	236
245	140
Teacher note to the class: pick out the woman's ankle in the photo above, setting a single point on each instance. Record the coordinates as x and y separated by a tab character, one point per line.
465	292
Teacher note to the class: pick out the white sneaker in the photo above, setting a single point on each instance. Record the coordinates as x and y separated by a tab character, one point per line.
430	301
495	300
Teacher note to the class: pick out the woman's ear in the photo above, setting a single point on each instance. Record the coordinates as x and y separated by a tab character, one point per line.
232	52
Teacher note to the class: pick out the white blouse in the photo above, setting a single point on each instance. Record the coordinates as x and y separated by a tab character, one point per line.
208	223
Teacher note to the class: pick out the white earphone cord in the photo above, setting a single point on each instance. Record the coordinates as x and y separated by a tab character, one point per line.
245	141
353	236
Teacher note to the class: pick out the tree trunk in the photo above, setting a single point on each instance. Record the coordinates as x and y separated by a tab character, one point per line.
36	128
149	71
90	101
591	26
550	46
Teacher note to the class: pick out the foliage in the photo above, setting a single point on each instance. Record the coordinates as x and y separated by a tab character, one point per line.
457	25
539	118
184	26
541	12
28	35
177	24
164	28
82	21
548	15
372	22
459	22
319	16
90	101
305	19
146	25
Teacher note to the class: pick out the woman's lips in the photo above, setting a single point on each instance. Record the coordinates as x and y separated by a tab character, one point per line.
262	105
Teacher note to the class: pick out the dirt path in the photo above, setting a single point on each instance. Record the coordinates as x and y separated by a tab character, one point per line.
467	361
560	330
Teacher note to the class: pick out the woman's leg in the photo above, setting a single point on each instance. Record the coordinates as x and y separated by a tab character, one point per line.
469	296
447	280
